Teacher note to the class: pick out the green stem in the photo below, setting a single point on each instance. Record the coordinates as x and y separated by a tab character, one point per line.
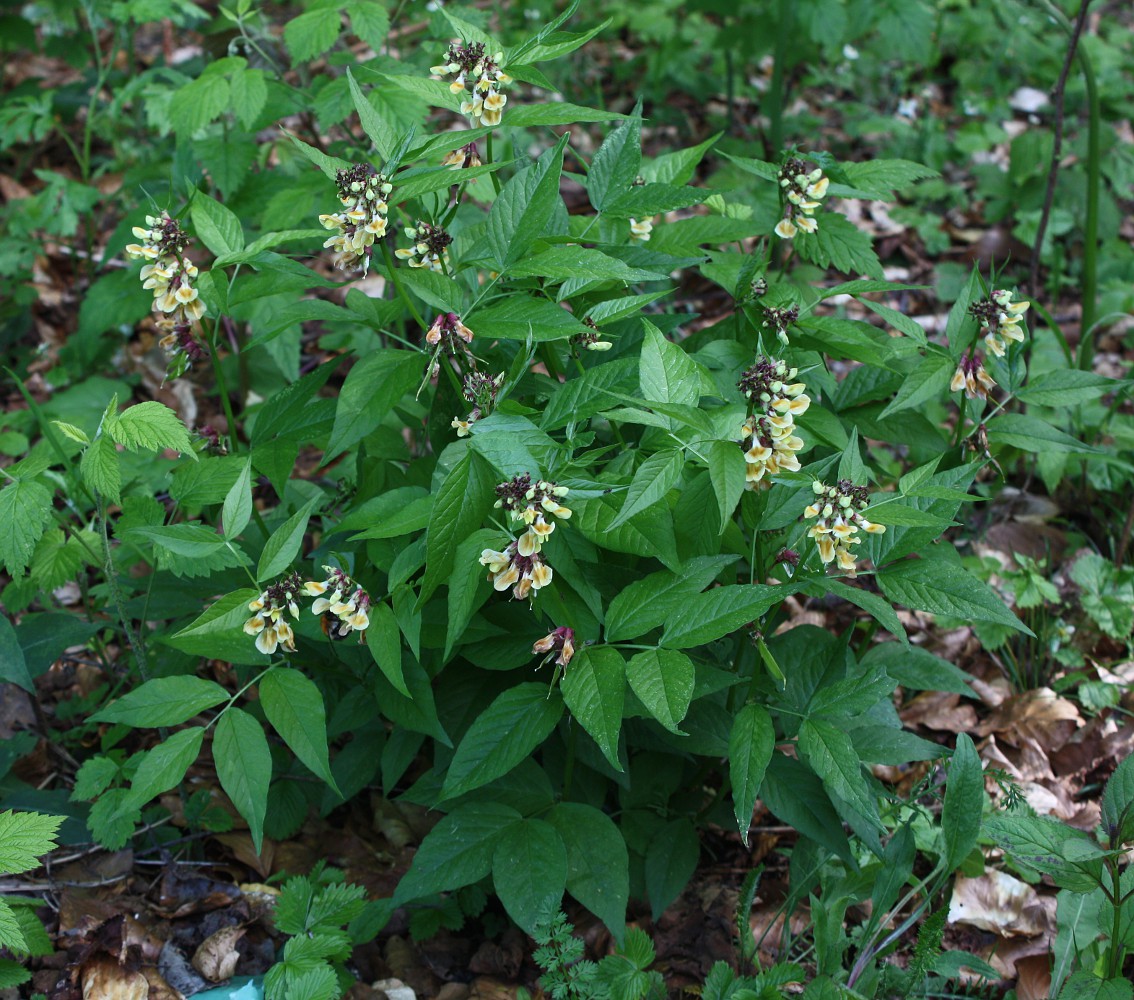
137	643
774	104
393	272
1091	227
488	158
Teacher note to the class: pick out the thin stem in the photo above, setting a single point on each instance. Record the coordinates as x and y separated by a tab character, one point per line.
393	271
489	158
137	643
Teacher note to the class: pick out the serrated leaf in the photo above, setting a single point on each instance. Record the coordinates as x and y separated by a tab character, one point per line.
244	767
457	851
838	243
100	469
719	612
594	690
964	804
879	179
199	102
831	754
945	588
529	872
249	95
163	701
523	207
24	838
751	742
73	432
25	511
504	734
369	21
312	33
152	426
284	544
163	767
1118	803
93	778
1068	387
663	680
463	501
655	477
216	225
294	707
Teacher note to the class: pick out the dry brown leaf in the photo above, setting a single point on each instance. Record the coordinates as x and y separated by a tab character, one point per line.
159	988
1033	977
941	710
104	979
241	845
1040	715
997	902
393	989
217	956
487	988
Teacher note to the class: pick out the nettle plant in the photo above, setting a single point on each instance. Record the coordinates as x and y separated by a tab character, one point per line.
536	582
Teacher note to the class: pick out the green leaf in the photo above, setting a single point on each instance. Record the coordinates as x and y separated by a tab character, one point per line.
163	767
529	872
654	199
929	380
371	389
667	374
24	838
294	707
372	123
217	226
647	603
244	767
1118	804
964	804
457	851
100	469
369	21
237	510
1069	856
751	742
198	102
832	755
163	701
384	640
283	546
1085	985
12	974
877	607
523	207
838	243
727	473
1068	387
11	934
312	33
504	734
563	262
518	317
330	165
655	477
152	426
649	533
721	611
945	588
1028	433
463	501
594	689
113	818
13	666
555	113
93	778
616	164
597	862
671	860
25	511
663	680
878	179
249	95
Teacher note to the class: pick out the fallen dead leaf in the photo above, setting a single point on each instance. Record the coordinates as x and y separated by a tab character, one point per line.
940	710
1004	905
1040	715
1033	977
394	989
104	979
217	956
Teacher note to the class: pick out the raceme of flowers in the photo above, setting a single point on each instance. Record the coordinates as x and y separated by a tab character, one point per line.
837	512
767	436
363	193
780	319
480	390
478	79
559	641
342	604
430	247
463	158
1000	320
641	231
268	624
972	377
169	274
803	190
521	565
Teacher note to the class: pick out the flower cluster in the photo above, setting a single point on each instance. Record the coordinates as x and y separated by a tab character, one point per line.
561	641
641	231
363	193
448	329
971	376
838	510
478	79
267	623
463	158
430	247
590	341
779	320
345	610
767	436
480	390
803	191
169	274
520	565
999	319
